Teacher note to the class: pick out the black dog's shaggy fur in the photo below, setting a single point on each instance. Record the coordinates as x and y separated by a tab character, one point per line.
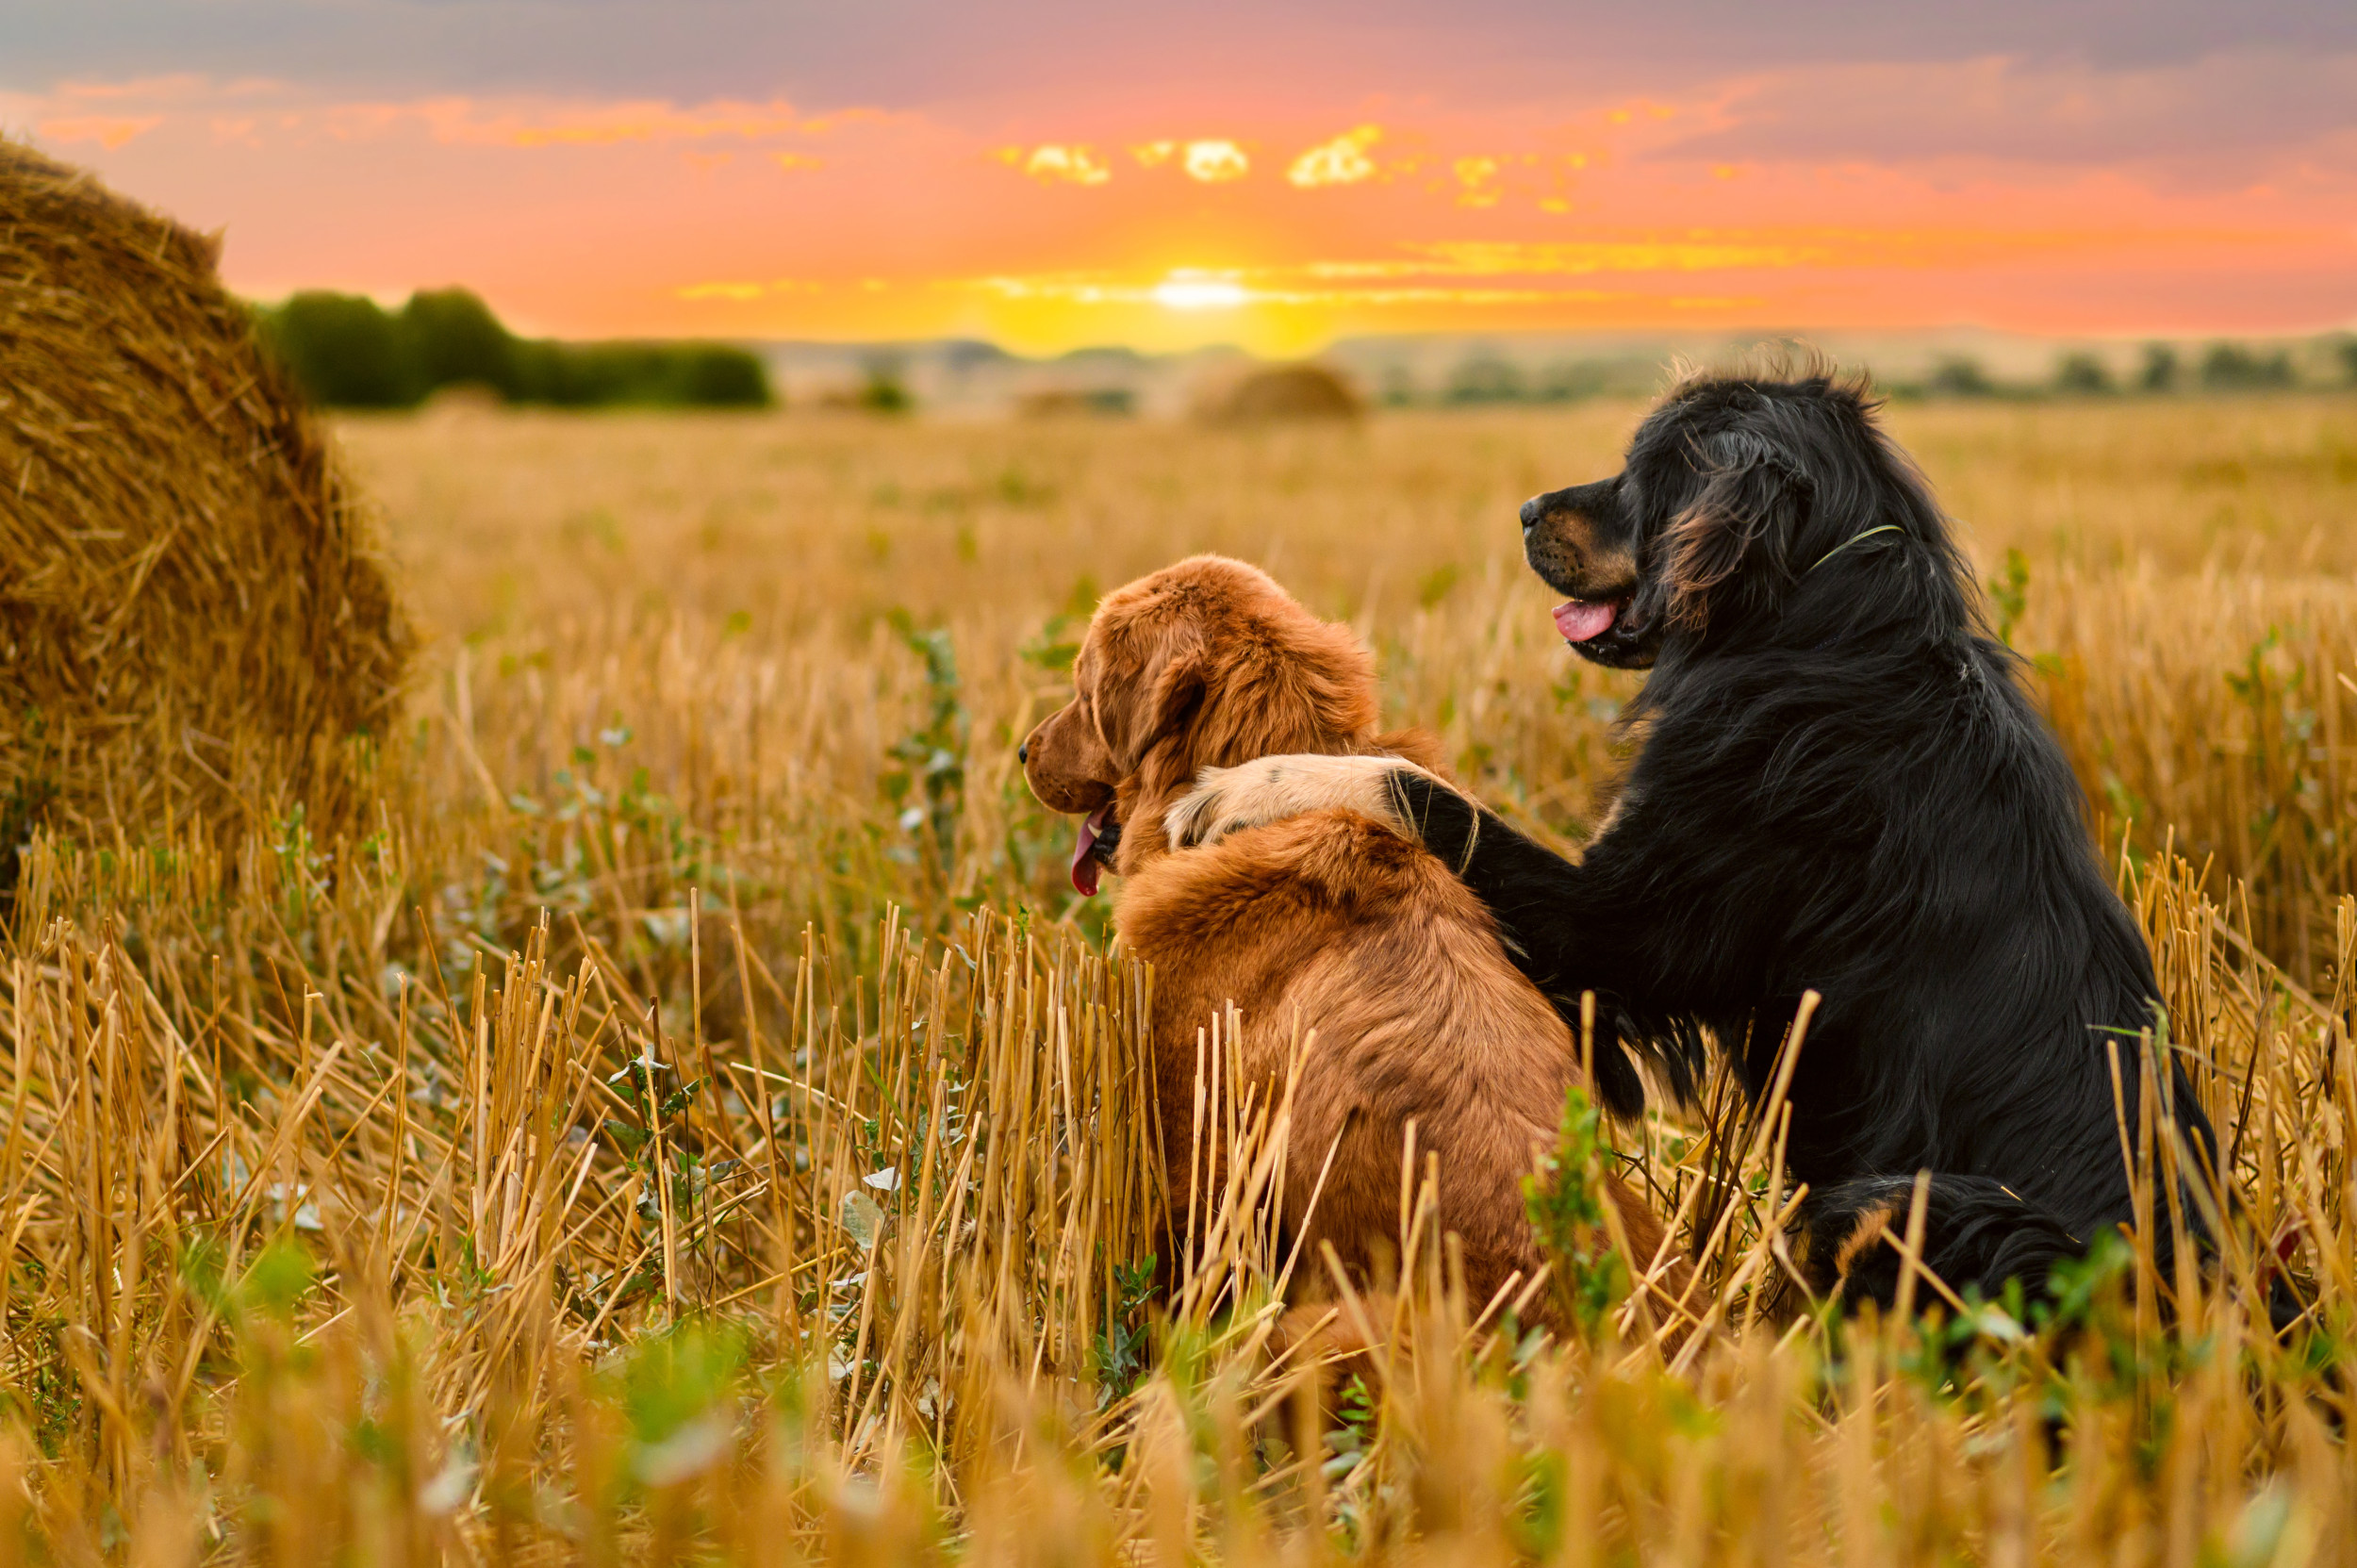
1842	787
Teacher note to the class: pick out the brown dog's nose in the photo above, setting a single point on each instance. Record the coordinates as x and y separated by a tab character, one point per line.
1022	752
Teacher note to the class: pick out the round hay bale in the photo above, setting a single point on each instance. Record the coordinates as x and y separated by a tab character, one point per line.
1276	393
195	629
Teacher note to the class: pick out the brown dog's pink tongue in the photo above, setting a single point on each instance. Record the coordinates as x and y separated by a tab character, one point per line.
1084	867
1578	620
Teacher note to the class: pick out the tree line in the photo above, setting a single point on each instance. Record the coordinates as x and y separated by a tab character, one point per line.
349	351
2161	369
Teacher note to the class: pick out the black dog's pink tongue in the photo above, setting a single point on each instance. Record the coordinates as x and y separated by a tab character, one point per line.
1580	619
1084	867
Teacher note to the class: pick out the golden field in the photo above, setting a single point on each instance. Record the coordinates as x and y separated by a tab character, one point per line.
698	1123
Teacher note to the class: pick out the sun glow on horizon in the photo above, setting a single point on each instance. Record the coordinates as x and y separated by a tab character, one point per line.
1196	291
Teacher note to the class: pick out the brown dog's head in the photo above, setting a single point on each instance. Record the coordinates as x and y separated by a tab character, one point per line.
1205	664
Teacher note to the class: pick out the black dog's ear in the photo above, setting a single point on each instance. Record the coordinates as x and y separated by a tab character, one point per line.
1738	530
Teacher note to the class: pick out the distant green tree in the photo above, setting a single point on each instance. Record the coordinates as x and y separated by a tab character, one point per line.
2082	376
345	350
2159	373
457	341
2232	368
1961	377
2346	348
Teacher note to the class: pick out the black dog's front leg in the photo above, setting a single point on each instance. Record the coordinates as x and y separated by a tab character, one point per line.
1547	912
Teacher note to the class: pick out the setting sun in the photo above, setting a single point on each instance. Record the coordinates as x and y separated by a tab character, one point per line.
1182	291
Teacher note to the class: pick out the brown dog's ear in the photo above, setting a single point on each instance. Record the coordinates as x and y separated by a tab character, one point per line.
1738	531
1307	685
1169	691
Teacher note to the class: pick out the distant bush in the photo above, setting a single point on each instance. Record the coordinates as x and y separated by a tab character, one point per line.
1490	378
350	353
884	391
1569	381
713	375
2082	376
1049	402
1961	378
2232	368
1486	380
652	375
2159	373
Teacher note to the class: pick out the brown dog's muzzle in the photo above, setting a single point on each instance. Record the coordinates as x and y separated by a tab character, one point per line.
1066	764
1068	767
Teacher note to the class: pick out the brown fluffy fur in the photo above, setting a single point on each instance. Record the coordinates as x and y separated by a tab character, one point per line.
1328	923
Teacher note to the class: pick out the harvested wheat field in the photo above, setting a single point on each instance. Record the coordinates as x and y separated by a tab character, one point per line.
692	1120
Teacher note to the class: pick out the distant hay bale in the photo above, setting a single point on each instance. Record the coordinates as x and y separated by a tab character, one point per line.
1277	392
194	627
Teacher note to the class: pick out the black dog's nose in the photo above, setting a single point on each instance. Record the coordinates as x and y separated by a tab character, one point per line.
1533	510
1022	752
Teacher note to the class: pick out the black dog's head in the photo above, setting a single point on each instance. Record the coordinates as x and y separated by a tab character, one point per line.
1737	492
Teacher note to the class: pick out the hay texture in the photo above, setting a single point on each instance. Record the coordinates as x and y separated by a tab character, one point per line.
1279	392
194	628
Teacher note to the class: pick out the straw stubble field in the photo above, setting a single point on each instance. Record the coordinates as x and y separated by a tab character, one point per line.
699	1122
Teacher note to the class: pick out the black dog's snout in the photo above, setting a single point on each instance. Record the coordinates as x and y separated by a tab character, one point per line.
1022	752
1533	509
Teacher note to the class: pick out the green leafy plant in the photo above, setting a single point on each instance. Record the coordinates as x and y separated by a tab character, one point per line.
929	786
1564	1198
2010	592
1121	1344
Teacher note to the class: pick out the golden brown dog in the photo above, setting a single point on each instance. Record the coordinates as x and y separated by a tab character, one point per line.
1328	923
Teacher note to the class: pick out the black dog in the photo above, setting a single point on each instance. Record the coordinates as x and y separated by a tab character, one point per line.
1842	787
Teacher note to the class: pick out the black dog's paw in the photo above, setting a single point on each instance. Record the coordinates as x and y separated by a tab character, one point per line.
1227	800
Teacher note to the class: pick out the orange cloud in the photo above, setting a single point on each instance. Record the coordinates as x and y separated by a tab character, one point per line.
1341	161
1052	163
1216	162
1477	177
108	131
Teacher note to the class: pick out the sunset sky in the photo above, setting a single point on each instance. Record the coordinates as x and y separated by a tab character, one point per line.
1050	174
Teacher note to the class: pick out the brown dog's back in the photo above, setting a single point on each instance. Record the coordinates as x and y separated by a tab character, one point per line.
1332	923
